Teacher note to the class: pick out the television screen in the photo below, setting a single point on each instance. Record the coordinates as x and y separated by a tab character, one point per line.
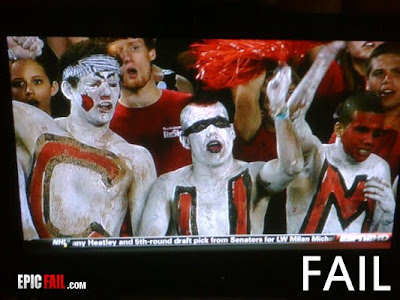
87	173
168	159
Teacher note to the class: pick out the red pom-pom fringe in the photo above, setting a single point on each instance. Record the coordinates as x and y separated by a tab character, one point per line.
223	63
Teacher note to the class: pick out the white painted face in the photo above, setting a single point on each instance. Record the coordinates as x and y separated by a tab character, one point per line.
96	96
208	133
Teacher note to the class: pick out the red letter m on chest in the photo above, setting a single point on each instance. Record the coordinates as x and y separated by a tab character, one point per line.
349	203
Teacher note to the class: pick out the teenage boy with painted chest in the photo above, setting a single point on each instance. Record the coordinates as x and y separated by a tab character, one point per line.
343	186
77	177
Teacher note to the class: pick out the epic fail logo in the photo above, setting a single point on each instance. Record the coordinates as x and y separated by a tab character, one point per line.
47	281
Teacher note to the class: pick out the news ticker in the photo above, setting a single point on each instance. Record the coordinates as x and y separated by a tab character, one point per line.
58	282
270	239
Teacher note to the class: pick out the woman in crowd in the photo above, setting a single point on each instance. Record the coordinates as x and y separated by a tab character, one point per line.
33	81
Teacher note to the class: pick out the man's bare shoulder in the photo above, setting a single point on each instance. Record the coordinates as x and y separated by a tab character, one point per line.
177	177
34	119
29	109
137	154
165	184
376	158
254	167
253	164
374	164
379	162
62	122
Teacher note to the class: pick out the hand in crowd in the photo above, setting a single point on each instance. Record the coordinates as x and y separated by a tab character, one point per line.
304	94
278	88
24	47
381	192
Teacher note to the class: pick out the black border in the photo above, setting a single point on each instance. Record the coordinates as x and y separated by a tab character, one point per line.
234	273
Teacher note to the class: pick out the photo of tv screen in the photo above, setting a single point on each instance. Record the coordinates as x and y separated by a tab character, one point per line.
134	143
174	150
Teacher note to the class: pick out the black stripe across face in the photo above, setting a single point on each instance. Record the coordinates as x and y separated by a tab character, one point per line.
219	122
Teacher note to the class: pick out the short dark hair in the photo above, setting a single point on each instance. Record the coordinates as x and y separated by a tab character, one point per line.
364	101
150	43
77	52
385	48
48	64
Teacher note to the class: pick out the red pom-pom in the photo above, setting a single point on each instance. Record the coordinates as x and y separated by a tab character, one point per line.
223	63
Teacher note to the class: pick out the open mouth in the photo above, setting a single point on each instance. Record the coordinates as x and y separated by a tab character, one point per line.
132	72
105	106
214	147
386	93
364	152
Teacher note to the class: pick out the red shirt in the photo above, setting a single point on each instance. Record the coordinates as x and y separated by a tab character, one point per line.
261	148
157	128
333	82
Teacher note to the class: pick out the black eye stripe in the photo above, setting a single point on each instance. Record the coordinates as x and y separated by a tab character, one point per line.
203	124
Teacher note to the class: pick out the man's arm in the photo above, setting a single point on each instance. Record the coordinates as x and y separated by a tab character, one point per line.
157	212
247	118
302	97
144	175
24	162
30	123
28	228
278	173
183	85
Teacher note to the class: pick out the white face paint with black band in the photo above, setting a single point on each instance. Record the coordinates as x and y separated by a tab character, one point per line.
209	134
93	64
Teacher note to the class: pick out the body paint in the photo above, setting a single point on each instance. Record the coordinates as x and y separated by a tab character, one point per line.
361	135
87	102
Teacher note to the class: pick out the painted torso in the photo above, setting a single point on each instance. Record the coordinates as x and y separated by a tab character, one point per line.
334	201
76	179
77	189
227	205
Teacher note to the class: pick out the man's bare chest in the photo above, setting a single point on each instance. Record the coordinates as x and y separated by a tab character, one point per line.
73	184
221	208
